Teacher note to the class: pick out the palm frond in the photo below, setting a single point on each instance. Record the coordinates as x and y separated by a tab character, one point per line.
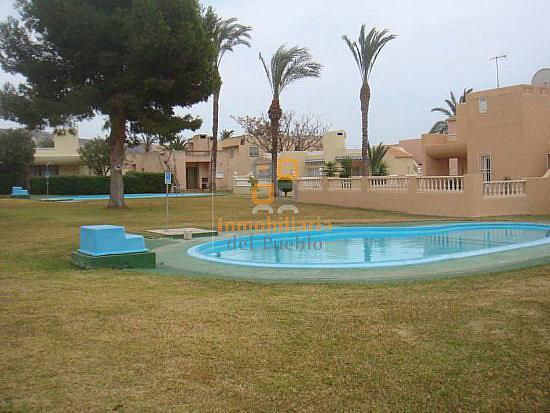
367	48
452	105
464	93
453	99
443	110
228	34
377	164
288	65
439	127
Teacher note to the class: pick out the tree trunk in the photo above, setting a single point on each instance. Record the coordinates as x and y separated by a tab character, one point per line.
116	156
364	96
275	113
214	154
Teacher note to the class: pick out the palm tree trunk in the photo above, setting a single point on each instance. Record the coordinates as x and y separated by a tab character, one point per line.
116	157
215	121
275	113
364	96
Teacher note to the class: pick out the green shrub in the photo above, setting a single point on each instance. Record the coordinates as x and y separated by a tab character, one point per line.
16	156
134	183
7	180
285	185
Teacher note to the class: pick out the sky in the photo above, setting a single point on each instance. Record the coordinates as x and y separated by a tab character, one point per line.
442	45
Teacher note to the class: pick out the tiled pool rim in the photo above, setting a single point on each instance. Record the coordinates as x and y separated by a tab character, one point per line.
195	251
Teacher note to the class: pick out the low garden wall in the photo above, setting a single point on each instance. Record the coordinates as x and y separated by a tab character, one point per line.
459	196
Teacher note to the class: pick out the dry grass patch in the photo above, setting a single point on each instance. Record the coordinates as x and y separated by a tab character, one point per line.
75	340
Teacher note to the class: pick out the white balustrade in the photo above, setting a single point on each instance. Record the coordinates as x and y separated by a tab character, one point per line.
493	189
344	184
388	183
440	184
309	184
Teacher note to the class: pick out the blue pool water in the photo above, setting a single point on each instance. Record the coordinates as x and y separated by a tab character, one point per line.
126	196
365	247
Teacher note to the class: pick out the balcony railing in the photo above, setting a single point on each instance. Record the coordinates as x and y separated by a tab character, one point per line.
344	184
494	189
388	183
440	184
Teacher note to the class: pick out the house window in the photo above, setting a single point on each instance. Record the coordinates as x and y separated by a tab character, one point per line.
231	153
486	167
548	161
253	151
313	172
483	105
52	170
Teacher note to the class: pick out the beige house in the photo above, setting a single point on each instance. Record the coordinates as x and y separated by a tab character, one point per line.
495	160
238	159
503	134
400	162
191	166
61	158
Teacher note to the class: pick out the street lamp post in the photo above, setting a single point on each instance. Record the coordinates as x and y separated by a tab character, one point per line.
48	179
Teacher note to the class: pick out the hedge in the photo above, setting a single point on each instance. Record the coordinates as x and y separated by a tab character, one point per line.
134	183
7	180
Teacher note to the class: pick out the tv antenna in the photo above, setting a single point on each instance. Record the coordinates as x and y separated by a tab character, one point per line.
496	59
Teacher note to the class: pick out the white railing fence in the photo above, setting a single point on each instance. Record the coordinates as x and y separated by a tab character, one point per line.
440	184
344	184
241	181
309	184
388	183
244	181
504	188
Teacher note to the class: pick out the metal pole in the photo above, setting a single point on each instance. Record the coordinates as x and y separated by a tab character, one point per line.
496	66
48	180
167	219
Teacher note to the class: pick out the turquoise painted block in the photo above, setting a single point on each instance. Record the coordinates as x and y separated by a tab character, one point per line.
99	240
17	191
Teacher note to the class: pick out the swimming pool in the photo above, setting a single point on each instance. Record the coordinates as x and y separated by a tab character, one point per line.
372	247
126	196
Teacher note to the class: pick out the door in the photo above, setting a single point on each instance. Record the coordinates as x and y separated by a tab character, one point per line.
191	177
486	167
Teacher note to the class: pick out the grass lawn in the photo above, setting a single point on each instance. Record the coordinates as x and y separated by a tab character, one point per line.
104	340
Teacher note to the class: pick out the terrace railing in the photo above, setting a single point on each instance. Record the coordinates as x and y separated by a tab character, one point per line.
309	184
344	184
494	189
388	183
440	184
244	181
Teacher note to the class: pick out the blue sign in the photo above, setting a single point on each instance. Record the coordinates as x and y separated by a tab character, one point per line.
167	177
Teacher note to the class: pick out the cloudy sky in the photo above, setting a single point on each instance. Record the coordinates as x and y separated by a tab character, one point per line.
442	45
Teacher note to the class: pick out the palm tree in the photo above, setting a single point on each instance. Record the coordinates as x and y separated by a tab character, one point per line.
287	65
179	143
365	52
378	166
441	126
347	166
330	169
226	34
226	134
